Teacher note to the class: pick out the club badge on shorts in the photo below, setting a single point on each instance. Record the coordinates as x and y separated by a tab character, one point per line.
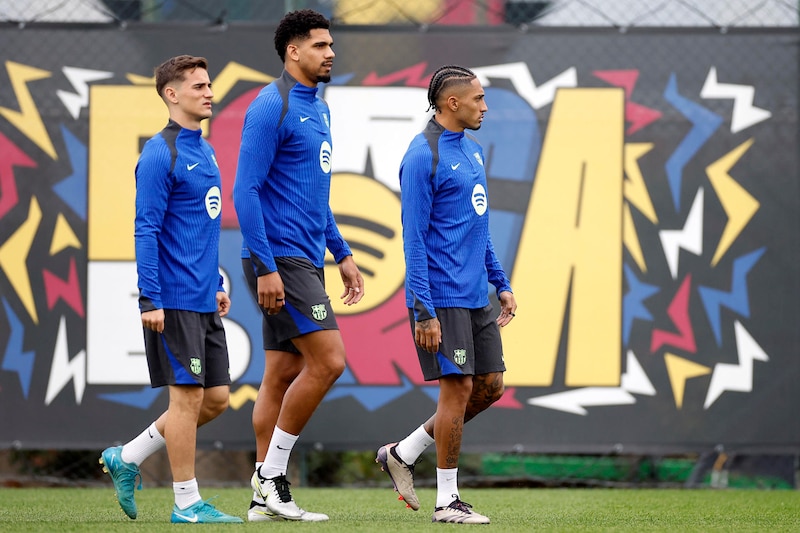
194	366
319	312
460	356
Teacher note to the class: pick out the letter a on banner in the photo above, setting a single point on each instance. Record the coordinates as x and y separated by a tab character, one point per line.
568	270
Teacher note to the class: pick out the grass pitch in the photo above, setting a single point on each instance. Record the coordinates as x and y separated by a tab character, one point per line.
88	510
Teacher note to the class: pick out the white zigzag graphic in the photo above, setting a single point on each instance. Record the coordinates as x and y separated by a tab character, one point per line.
690	237
634	381
728	377
80	79
62	370
745	114
520	76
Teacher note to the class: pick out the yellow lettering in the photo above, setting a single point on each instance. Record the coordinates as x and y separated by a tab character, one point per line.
571	248
119	117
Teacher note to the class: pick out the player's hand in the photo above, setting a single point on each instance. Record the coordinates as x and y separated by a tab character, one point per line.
508	308
270	292
223	303
154	320
428	334
353	282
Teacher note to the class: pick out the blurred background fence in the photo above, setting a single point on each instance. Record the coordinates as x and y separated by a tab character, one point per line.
562	13
563	31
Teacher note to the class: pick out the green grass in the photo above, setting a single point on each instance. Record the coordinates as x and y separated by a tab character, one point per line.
89	510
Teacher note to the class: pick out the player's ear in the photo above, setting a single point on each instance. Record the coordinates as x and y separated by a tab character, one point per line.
170	94
452	103
292	51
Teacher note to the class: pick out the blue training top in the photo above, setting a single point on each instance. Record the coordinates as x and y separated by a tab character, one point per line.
283	179
448	249
178	203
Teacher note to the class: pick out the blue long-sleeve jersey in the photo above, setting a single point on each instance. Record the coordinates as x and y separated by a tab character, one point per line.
283	179
446	224
177	226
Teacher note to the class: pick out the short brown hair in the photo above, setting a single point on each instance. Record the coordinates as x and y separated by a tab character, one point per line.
173	69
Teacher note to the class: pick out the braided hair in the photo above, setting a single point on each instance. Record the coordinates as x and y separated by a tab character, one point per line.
445	77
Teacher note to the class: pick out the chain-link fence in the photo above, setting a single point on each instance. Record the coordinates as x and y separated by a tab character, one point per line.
561	13
563	44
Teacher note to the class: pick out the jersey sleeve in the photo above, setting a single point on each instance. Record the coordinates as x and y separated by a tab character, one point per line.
497	275
260	140
153	185
334	240
416	200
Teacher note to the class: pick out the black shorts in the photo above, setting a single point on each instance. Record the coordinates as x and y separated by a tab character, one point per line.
191	350
470	344
306	306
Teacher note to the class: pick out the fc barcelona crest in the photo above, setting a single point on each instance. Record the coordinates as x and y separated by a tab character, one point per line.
460	356
195	366
319	312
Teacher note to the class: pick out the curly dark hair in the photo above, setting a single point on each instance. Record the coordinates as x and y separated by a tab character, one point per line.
297	25
445	77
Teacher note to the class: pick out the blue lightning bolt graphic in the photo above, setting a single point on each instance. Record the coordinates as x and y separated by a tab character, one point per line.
704	124
15	360
633	302
73	188
736	299
432	391
141	399
371	398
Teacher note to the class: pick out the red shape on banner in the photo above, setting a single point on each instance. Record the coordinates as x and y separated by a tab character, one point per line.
12	156
414	76
638	115
225	135
619	78
678	311
508	400
69	290
379	344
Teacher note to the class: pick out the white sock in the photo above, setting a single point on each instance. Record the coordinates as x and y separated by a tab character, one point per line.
256	498
277	459
410	448
143	446
186	493
446	486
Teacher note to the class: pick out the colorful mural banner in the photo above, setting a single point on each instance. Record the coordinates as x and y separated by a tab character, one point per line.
644	201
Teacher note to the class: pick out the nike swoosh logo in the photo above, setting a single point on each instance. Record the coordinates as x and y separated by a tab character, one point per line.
192	518
303	119
191	167
279	447
455	166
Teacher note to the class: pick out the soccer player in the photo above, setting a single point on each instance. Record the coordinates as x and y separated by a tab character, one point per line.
281	196
450	260
181	298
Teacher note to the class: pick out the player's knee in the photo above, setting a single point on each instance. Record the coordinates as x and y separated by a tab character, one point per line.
335	368
214	404
487	389
496	395
498	390
282	378
217	407
459	388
